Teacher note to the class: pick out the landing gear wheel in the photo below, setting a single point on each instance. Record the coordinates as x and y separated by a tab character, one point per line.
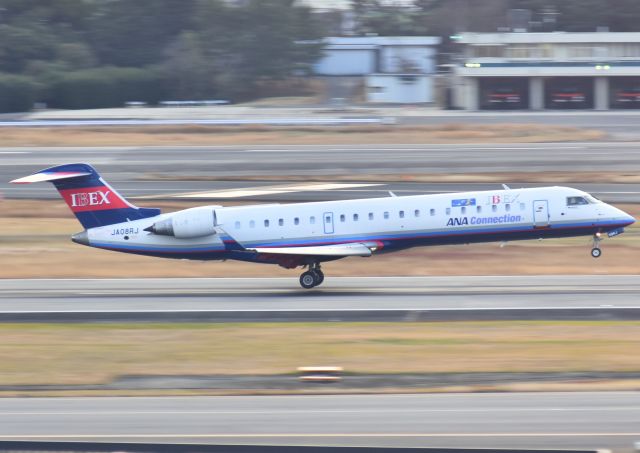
319	276
308	280
596	252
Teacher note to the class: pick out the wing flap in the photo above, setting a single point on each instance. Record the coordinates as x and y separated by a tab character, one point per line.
351	249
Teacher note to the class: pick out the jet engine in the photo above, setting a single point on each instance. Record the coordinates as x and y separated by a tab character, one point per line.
190	223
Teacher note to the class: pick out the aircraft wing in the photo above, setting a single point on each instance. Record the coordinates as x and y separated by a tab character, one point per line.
351	249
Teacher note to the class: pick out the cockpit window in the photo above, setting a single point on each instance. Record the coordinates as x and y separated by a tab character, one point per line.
576	201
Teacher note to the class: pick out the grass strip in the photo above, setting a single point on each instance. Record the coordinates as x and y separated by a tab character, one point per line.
98	353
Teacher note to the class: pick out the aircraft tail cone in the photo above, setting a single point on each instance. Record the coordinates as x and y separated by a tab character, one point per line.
81	238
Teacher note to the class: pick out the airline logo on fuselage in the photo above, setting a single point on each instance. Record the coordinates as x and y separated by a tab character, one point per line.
506	218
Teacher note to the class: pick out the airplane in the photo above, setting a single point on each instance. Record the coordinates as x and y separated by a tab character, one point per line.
309	234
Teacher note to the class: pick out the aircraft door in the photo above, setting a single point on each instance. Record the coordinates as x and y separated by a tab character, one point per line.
327	221
540	214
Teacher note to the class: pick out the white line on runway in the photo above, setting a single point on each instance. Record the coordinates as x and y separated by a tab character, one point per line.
328	411
311	435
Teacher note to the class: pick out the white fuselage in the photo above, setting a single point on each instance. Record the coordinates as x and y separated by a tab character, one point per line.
392	222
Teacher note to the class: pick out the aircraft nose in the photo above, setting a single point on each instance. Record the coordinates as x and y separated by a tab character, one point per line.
81	238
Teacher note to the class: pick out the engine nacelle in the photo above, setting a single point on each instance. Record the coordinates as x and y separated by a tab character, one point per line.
190	223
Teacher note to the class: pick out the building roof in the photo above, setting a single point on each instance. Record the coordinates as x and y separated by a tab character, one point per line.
547	38
370	41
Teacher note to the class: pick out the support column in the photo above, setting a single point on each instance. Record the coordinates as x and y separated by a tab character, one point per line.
471	93
536	93
601	93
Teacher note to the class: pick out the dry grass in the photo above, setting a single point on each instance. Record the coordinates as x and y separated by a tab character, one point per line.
261	135
89	353
39	246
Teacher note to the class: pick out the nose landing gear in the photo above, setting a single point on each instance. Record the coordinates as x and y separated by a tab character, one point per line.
595	251
313	277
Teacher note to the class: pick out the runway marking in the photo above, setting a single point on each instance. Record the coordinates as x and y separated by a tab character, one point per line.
326	411
271	190
319	435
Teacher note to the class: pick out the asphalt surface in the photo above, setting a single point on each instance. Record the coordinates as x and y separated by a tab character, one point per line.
339	299
511	420
165	171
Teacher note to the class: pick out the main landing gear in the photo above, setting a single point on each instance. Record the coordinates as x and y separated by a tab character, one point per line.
313	277
595	251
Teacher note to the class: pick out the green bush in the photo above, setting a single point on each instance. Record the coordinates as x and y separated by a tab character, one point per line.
17	93
105	87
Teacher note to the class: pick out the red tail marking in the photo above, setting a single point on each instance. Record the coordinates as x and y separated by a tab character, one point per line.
93	199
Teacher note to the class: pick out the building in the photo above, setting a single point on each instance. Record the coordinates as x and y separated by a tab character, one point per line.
393	69
557	70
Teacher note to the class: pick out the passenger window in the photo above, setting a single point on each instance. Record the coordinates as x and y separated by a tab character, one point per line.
296	221
312	220
327	219
401	214
576	201
416	213
355	217
494	208
432	212
386	214
252	224
281	222
507	207
237	225
266	223
371	216
342	218
448	211
522	206
478	209
463	210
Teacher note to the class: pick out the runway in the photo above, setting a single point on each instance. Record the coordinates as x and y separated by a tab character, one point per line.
339	299
164	172
516	420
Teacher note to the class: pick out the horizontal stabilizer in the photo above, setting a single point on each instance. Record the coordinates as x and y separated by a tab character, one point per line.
49	176
352	249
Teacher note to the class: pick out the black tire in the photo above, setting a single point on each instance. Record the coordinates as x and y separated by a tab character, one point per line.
596	252
319	277
308	280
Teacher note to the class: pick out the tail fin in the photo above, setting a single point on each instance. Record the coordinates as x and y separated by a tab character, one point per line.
94	202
